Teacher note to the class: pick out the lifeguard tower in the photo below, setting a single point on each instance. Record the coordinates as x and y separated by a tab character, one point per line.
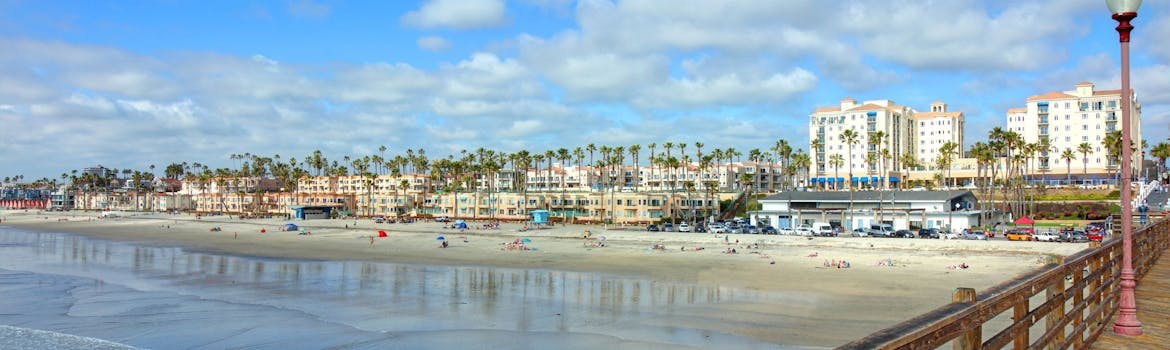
539	218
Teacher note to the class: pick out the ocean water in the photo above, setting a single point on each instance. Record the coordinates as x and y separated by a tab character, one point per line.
58	287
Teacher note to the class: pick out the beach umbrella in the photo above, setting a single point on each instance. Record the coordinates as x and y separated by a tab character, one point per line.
381	233
440	238
525	240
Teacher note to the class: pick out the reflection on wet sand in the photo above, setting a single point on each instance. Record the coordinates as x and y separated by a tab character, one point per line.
386	297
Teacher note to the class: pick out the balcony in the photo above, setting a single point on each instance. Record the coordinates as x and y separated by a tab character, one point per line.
1042	121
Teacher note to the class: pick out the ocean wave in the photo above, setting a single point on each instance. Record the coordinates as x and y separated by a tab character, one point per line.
24	338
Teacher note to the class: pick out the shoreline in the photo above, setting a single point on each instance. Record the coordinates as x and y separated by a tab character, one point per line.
858	298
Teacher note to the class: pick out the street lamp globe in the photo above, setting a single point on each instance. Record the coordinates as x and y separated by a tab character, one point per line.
1123	6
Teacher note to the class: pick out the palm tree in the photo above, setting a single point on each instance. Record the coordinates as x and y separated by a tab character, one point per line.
801	161
563	155
850	138
650	158
668	146
634	150
1161	151
836	161
1068	157
699	157
783	151
876	139
1085	148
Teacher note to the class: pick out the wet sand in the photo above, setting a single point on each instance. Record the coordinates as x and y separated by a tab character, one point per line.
851	302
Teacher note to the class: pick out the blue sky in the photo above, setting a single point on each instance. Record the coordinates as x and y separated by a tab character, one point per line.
128	84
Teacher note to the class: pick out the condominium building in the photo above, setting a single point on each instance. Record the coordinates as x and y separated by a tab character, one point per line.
931	130
1068	119
882	130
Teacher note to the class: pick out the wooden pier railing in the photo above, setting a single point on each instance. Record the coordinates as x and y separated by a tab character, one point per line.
1060	306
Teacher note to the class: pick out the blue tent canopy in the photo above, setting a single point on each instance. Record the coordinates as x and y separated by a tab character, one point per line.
290	227
874	179
841	179
854	179
832	180
894	179
864	179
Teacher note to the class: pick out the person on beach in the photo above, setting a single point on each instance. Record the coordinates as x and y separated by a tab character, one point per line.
443	245
371	241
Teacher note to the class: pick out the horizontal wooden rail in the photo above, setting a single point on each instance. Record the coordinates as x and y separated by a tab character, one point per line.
1074	301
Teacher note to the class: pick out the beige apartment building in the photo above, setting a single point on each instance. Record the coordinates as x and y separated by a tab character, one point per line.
930	130
1068	119
885	131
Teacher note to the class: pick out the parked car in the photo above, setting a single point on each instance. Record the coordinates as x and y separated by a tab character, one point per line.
752	229
788	231
768	230
1074	236
652	228
949	235
975	235
1047	236
684	227
858	232
717	228
1017	235
700	229
1095	236
928	233
903	234
804	230
667	227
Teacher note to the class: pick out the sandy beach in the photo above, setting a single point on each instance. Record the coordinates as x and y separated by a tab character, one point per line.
888	280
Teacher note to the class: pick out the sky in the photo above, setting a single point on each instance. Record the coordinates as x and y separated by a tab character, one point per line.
129	84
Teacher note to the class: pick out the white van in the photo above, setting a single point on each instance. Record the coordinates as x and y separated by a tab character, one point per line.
880	230
823	229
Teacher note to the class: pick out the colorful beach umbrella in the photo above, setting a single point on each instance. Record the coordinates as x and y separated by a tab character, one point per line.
525	240
440	238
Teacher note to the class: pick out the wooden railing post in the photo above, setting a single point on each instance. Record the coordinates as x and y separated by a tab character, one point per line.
972	339
1019	313
1052	321
1078	298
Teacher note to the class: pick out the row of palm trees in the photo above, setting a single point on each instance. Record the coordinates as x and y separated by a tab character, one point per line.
464	172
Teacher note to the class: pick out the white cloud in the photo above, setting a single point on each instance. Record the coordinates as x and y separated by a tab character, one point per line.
433	43
731	89
458	14
1022	36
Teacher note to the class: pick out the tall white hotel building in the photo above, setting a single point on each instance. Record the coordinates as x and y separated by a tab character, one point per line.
906	131
1069	118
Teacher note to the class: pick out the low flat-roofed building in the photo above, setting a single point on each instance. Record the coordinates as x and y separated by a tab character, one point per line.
902	209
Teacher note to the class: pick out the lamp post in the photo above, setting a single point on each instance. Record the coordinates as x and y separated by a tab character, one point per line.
1127	322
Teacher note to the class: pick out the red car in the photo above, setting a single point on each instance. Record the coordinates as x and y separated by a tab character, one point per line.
1095	235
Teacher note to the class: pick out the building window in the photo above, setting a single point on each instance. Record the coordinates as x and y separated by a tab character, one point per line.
1085	138
1085	127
